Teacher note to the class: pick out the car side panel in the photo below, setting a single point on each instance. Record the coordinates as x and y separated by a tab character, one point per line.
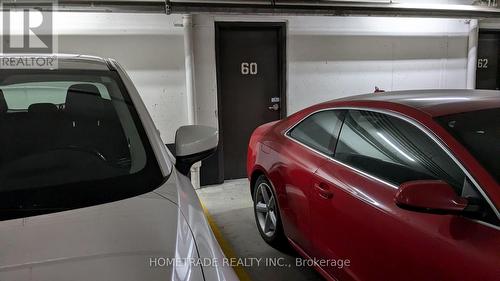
293	168
362	223
289	166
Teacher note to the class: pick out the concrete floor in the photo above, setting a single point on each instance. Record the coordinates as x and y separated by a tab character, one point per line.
231	207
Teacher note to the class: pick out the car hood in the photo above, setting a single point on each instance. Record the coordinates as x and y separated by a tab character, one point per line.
132	239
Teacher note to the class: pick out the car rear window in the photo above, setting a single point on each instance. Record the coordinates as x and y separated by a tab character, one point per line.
479	132
319	131
69	139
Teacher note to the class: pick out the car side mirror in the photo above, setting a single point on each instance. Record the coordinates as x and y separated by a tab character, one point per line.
192	144
430	196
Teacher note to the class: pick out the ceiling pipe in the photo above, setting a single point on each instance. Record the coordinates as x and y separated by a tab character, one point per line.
281	7
331	8
187	23
106	6
472	54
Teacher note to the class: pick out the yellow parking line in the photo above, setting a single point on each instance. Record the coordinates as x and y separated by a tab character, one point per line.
225	246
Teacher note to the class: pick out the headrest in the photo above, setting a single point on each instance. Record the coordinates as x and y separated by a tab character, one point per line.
3	103
83	89
82	98
42	108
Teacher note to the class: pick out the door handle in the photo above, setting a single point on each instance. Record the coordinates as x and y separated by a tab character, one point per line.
275	107
323	190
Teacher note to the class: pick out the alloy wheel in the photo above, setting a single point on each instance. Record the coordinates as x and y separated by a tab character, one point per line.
265	209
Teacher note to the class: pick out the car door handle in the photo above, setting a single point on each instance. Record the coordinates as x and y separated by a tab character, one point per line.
323	190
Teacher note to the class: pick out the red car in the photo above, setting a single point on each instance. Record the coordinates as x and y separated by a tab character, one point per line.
399	186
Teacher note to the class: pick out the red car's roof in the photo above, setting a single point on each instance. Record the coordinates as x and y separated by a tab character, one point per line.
434	102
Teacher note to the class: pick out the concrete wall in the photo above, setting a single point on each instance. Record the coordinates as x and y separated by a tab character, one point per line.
340	57
331	57
150	47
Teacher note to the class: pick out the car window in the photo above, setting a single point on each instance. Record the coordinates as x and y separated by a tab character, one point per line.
394	150
479	132
69	138
319	131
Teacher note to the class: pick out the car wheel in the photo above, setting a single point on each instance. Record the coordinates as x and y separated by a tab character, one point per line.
267	214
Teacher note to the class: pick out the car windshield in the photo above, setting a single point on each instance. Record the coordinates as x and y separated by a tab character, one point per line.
479	132
69	138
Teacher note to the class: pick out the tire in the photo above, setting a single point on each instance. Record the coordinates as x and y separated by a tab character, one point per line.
267	216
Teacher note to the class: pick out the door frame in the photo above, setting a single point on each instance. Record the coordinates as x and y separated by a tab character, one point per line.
233	25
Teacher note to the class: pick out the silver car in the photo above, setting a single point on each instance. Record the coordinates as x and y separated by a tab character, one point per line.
88	190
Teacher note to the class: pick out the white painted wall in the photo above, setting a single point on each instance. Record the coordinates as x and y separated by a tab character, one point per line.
332	57
150	48
337	57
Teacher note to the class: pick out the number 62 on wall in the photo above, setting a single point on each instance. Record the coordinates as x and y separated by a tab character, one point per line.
482	63
249	68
